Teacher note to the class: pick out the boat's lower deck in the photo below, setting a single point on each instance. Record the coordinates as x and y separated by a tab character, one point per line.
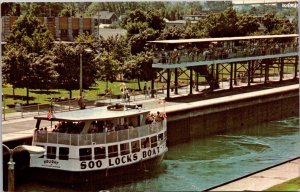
98	177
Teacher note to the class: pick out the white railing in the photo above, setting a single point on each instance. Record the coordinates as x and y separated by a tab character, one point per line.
184	56
96	138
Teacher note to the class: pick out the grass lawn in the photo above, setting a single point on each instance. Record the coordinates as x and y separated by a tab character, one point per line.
37	96
291	185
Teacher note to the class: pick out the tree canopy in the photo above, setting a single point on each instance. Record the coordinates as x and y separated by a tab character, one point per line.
228	24
24	65
68	58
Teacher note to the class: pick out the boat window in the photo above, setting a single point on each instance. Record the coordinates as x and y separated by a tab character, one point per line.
99	152
161	137
51	152
154	141
113	151
145	142
135	146
63	153
85	154
124	148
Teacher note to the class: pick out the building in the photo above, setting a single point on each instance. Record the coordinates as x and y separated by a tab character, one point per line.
105	17
64	28
179	23
194	17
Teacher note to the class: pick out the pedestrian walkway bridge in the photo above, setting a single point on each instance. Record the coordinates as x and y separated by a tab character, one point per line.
234	58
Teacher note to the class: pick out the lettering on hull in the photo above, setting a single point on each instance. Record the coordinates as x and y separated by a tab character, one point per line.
51	163
123	160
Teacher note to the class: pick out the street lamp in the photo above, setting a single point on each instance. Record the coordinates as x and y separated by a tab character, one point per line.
88	50
98	24
11	163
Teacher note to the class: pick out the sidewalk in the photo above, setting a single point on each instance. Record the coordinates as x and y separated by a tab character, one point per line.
265	179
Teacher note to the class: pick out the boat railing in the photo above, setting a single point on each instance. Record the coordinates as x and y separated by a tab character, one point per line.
97	138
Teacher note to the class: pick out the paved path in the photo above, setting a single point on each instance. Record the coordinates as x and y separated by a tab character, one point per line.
265	179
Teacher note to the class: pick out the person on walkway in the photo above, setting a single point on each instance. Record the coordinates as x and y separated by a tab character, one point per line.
81	103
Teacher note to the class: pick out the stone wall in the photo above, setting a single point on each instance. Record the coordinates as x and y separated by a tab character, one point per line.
218	118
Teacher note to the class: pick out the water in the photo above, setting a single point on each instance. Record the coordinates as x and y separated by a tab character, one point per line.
202	163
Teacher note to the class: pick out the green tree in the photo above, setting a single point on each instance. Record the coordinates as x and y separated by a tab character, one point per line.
224	23
42	9
10	9
31	41
68	66
69	10
227	24
14	59
142	27
29	32
43	66
275	25
138	41
108	67
269	21
139	67
217	5
155	20
247	24
172	33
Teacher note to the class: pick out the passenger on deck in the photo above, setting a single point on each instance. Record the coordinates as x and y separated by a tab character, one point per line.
130	125
146	143
105	130
206	54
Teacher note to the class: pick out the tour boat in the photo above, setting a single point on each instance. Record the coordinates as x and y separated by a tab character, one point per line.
97	143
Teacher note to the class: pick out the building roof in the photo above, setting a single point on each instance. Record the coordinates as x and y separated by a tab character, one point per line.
106	15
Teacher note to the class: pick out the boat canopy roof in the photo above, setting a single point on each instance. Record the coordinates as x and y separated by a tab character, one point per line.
179	41
92	114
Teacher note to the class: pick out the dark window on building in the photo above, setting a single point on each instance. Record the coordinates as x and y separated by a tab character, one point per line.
75	33
51	152
145	142
63	153
85	154
63	34
99	152
135	146
154	141
124	148
113	151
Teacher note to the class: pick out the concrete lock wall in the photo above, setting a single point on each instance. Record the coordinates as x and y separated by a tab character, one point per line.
221	117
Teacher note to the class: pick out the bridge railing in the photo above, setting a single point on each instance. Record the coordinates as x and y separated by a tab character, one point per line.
218	53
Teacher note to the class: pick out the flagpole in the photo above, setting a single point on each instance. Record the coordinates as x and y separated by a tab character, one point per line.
51	111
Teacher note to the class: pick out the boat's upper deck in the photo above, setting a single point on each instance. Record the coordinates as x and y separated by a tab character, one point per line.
92	114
